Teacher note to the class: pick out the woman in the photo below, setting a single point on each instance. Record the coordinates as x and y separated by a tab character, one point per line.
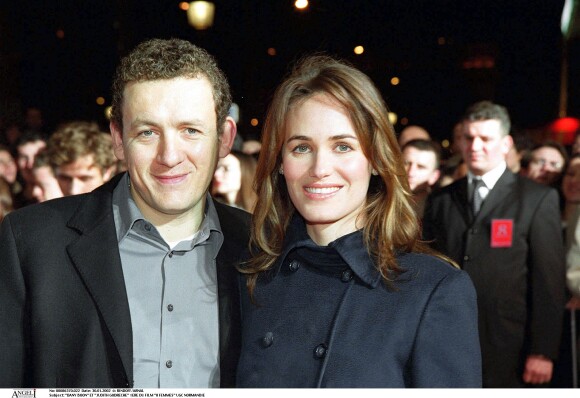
233	181
341	293
571	215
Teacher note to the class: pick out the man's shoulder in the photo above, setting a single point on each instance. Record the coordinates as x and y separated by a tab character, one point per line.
232	220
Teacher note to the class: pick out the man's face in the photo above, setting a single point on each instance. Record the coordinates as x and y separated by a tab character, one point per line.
81	176
171	145
26	154
421	168
46	186
546	165
483	145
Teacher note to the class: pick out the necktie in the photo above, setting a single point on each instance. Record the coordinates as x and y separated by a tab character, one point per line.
477	199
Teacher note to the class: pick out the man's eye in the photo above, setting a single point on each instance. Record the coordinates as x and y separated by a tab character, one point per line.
191	131
147	133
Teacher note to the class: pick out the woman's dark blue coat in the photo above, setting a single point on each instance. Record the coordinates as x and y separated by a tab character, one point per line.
323	317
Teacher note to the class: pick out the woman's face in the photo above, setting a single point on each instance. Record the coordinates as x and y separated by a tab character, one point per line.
571	182
326	172
227	178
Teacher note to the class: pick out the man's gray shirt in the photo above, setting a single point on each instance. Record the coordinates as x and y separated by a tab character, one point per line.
173	298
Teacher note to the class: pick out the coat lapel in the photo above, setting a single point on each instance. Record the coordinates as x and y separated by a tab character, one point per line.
497	195
462	201
96	257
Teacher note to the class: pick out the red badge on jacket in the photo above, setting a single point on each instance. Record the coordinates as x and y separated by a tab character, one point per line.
502	233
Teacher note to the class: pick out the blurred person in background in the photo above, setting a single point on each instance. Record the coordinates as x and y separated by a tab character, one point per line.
6	199
505	232
421	159
81	156
547	164
233	181
8	168
46	186
27	146
412	133
570	215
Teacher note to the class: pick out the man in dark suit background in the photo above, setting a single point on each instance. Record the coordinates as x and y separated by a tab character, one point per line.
505	231
133	284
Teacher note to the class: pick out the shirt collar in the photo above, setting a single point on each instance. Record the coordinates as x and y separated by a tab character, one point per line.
126	213
491	177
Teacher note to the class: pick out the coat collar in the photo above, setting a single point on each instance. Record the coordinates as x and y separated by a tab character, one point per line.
96	256
350	247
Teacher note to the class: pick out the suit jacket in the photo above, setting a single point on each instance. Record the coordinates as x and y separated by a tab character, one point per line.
521	285
63	304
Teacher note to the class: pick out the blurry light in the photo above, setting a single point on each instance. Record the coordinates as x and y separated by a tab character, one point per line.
395	81
392	117
272	51
100	101
441	41
301	4
254	122
108	112
184	5
404	121
358	50
60	34
445	143
200	14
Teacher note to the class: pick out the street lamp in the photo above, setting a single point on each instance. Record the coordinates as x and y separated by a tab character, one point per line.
200	14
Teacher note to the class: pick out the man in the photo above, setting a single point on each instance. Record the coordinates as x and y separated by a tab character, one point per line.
81	156
46	186
422	164
547	164
27	146
504	230
133	284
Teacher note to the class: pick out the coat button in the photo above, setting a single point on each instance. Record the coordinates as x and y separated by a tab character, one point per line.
169	364
170	307
294	265
170	254
320	351
346	275
466	258
268	340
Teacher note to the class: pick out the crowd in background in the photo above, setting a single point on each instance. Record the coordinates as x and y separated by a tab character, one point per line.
77	157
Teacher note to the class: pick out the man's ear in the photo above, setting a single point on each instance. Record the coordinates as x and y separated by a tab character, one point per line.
117	134
226	140
507	143
107	174
434	177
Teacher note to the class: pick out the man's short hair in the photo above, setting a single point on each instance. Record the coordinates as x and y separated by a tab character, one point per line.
487	110
29	137
77	139
554	145
158	59
428	146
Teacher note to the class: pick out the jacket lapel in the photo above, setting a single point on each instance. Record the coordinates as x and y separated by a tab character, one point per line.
497	195
96	257
462	201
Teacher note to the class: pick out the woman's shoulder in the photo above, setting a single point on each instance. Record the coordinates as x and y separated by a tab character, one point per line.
425	263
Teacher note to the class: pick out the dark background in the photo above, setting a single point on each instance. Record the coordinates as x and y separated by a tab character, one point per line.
447	54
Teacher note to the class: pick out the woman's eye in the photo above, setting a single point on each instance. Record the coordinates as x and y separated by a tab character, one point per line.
343	148
301	148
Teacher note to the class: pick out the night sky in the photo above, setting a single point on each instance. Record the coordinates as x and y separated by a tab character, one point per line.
434	47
